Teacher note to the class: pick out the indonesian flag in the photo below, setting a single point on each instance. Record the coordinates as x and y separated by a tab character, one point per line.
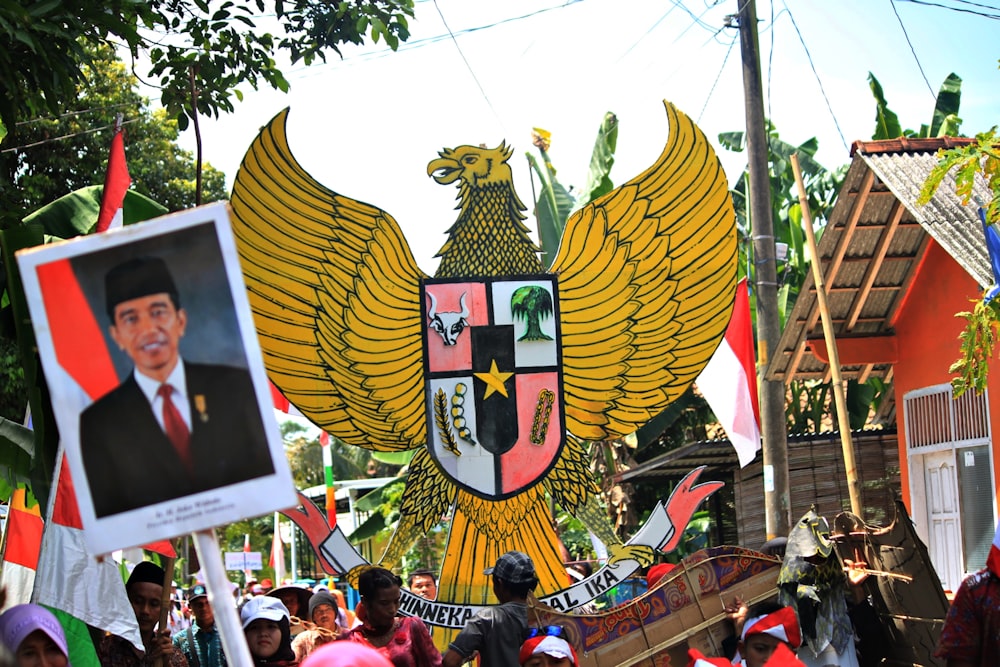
729	381
21	547
281	403
116	182
248	573
277	561
993	560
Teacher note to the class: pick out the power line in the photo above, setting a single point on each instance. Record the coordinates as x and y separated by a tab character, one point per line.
648	32
912	50
995	17
70	114
482	91
717	77
816	74
67	136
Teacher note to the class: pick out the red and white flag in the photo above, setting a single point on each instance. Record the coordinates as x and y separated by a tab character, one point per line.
21	546
729	381
116	183
993	560
281	403
277	562
247	572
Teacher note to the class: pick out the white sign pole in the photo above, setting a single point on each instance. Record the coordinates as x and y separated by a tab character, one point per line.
220	596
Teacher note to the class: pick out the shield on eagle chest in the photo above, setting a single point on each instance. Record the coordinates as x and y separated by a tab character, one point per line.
493	379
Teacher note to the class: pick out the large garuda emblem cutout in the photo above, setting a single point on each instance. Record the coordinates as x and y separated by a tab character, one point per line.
496	370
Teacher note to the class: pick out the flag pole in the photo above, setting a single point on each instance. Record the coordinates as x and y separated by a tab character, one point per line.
839	396
220	597
331	491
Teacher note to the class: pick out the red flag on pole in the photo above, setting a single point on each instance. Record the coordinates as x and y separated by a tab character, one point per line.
247	572
277	561
116	182
729	381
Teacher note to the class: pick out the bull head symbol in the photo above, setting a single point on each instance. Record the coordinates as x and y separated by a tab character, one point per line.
449	325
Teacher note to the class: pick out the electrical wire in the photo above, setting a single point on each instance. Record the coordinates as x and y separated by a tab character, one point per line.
912	50
468	65
717	77
812	65
67	136
995	17
70	114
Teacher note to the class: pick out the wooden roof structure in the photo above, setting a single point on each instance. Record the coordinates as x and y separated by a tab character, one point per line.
870	251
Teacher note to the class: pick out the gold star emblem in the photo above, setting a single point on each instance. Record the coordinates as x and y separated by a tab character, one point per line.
494	380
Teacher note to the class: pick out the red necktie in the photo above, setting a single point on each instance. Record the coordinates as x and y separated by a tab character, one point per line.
177	430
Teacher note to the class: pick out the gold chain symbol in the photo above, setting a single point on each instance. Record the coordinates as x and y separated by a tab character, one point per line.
543	410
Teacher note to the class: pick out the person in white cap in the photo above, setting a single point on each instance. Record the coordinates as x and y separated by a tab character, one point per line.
497	632
265	623
546	647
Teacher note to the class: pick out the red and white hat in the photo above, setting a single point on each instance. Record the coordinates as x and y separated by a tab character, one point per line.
696	659
781	624
993	560
557	647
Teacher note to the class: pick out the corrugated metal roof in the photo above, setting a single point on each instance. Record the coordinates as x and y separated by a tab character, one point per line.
954	226
870	249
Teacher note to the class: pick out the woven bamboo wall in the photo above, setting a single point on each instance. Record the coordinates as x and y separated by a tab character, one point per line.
817	477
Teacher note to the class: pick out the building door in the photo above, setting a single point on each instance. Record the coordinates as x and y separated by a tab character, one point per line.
952	491
943	519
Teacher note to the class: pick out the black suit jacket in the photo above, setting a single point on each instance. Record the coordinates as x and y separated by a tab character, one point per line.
130	463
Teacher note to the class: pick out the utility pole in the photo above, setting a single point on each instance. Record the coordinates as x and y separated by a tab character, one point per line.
777	507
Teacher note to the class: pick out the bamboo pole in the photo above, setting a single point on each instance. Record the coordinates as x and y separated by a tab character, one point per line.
840	397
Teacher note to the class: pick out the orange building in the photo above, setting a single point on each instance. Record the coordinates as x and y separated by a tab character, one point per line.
896	274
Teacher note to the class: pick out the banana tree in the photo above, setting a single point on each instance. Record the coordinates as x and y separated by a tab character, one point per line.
554	202
944	121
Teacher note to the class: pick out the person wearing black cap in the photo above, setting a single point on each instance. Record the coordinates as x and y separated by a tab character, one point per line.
323	617
497	632
173	427
200	642
144	588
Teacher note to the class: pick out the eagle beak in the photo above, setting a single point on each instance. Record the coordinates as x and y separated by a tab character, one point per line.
444	170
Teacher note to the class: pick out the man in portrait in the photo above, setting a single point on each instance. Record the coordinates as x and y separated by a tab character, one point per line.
172	427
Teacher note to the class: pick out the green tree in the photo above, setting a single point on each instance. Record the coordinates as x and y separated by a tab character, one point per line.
531	303
200	52
62	154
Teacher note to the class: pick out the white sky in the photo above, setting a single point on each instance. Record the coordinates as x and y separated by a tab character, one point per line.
366	126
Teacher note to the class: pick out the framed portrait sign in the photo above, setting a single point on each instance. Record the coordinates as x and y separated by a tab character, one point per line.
155	373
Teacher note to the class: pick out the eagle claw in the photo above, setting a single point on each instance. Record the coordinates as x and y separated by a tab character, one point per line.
640	553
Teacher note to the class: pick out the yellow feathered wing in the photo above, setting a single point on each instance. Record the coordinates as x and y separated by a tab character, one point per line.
335	294
647	277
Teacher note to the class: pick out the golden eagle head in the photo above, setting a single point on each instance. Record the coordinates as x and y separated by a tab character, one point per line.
476	166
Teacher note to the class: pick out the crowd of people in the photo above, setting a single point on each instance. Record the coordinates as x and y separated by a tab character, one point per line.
291	626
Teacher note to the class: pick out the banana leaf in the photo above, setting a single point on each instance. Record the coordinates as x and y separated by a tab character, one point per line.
601	160
45	435
394	458
552	208
886	122
949	98
76	214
